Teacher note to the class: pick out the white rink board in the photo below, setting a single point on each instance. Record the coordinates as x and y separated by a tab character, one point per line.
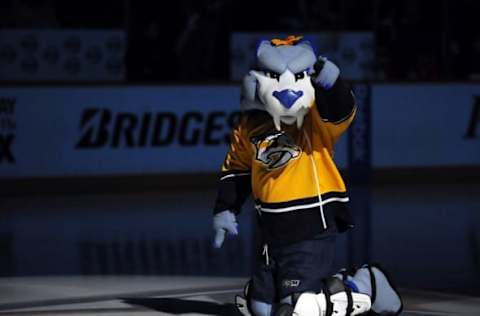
89	131
420	125
132	130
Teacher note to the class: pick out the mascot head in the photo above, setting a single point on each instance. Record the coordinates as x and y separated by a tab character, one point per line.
281	83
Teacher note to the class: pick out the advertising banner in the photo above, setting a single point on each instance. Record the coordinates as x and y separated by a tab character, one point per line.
70	131
135	130
62	55
62	131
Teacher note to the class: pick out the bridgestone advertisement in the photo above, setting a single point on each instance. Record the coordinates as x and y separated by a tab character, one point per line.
59	131
133	130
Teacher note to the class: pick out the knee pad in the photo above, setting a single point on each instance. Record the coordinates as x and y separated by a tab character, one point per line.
259	308
335	299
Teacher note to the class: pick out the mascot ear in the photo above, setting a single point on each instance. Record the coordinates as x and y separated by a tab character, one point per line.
262	45
248	95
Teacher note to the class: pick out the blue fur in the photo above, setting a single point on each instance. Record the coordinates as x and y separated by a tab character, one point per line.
306	39
313	44
258	46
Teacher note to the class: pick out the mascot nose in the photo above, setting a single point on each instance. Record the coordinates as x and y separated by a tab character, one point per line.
287	97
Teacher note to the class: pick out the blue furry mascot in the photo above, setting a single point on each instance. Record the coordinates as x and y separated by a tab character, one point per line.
294	107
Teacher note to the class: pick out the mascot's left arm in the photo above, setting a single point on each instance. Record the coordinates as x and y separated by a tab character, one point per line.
335	101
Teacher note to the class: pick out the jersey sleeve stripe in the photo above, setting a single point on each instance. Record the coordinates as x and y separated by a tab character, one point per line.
231	175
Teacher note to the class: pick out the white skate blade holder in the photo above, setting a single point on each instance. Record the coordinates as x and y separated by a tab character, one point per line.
310	304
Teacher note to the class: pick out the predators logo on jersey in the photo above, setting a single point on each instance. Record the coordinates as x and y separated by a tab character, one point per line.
275	150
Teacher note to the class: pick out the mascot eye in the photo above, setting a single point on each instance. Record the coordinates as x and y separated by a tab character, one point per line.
299	75
273	75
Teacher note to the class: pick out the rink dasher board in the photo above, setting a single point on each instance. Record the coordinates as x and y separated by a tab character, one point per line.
62	131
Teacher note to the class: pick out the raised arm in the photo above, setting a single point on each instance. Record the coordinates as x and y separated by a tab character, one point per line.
334	98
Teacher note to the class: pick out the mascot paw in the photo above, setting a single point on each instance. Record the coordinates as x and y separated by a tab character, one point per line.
224	222
326	73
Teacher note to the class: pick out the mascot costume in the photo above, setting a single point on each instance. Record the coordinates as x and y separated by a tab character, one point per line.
294	108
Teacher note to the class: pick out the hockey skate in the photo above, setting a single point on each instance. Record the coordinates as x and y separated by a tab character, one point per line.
335	300
372	280
386	300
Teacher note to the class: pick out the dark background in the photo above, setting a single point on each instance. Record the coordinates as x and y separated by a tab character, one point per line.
188	40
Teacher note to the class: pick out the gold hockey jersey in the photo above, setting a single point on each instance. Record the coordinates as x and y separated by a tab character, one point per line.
297	188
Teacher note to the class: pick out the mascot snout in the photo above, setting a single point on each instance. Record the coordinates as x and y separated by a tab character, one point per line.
287	97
